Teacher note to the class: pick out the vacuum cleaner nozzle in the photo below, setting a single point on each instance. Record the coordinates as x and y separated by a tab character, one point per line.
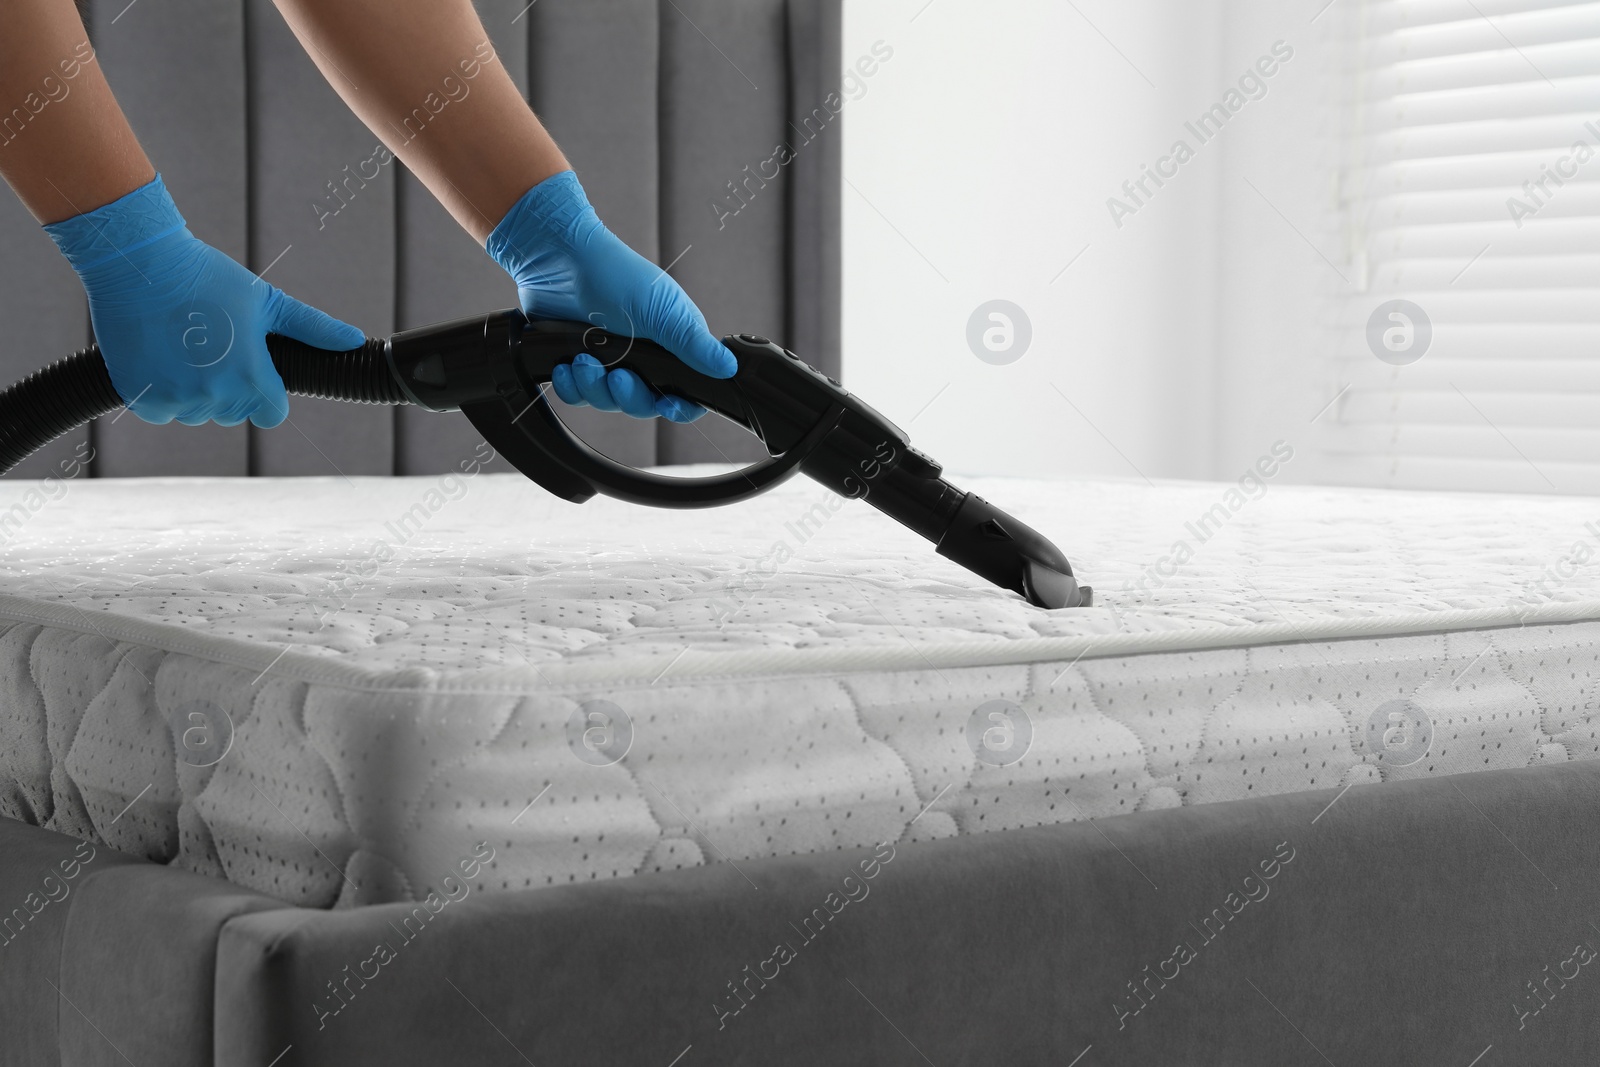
496	368
1012	555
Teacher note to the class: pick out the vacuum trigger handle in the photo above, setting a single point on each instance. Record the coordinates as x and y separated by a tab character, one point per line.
496	369
507	399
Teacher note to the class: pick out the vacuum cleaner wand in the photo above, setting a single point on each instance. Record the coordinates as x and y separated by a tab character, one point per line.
495	369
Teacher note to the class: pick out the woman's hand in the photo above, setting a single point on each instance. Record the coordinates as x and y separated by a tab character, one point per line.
182	327
567	265
493	165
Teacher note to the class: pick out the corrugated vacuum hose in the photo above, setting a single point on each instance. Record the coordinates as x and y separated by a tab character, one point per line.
496	369
72	391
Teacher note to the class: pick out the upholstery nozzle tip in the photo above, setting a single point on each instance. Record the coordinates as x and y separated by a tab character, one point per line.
1046	587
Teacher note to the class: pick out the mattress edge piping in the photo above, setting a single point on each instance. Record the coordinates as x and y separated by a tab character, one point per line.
693	664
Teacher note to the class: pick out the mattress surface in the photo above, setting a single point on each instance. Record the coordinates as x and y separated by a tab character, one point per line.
335	691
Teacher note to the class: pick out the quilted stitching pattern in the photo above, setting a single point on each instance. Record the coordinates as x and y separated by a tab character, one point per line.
332	795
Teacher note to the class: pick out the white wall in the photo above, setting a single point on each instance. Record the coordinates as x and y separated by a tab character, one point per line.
978	161
1281	260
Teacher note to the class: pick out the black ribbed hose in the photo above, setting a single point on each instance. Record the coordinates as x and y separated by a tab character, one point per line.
70	392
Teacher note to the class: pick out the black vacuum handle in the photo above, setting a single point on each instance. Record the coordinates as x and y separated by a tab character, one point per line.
496	369
70	392
502	384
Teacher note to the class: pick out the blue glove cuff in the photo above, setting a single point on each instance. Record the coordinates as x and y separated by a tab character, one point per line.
140	218
552	209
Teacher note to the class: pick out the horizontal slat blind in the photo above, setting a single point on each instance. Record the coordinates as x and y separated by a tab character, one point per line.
1462	110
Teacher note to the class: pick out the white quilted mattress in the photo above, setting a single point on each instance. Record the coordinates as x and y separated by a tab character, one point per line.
331	690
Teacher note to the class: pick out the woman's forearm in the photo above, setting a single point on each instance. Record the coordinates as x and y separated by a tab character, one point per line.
65	146
423	76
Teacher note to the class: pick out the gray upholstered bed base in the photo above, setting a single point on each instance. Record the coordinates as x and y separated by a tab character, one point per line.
1417	922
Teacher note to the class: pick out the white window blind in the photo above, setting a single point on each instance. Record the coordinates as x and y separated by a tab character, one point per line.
1466	193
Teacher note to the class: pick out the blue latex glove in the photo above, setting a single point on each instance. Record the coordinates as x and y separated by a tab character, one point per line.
181	326
567	265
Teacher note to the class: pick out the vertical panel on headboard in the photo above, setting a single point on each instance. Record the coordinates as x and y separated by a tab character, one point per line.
44	315
724	111
322	229
445	274
815	73
671	111
177	68
592	78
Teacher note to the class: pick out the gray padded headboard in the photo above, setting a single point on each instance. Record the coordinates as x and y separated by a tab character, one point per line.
660	105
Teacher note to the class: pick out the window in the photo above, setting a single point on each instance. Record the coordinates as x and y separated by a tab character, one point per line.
1469	352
